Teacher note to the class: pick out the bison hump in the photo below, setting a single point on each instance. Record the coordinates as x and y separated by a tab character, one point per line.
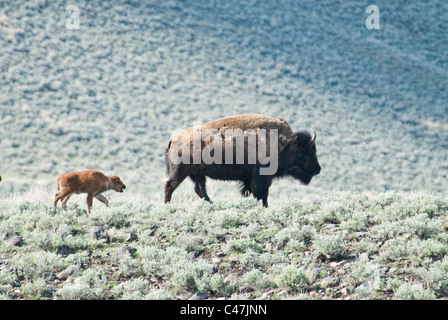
243	122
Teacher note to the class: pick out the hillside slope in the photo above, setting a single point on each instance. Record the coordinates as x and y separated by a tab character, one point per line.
108	96
364	246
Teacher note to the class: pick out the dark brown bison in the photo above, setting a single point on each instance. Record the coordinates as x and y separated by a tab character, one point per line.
252	149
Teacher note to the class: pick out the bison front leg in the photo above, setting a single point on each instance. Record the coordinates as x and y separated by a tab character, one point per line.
259	186
245	189
102	199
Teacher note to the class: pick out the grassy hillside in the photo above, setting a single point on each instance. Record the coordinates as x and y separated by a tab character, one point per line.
382	246
108	96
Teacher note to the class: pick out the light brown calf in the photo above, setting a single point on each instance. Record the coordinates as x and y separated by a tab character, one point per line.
91	182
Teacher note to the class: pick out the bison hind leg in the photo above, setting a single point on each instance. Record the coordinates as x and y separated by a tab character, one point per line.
245	188
62	195
199	187
64	201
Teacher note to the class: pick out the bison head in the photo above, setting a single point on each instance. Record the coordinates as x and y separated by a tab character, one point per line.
117	185
303	163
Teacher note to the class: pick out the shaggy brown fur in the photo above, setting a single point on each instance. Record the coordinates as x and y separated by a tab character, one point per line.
244	123
91	182
296	156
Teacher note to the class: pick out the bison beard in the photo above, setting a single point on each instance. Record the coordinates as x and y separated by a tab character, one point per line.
297	158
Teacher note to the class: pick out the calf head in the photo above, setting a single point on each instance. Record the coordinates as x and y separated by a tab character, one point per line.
116	184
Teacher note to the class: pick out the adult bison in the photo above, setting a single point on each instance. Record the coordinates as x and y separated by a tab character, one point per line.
253	149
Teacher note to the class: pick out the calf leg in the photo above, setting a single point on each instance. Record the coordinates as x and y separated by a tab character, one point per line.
199	187
89	201
60	195
64	201
56	199
103	199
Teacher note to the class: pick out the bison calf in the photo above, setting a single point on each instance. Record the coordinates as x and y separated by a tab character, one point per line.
91	182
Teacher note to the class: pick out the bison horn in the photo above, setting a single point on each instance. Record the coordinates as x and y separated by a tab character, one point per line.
313	139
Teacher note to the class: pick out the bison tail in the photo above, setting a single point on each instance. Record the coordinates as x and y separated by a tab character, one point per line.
167	162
